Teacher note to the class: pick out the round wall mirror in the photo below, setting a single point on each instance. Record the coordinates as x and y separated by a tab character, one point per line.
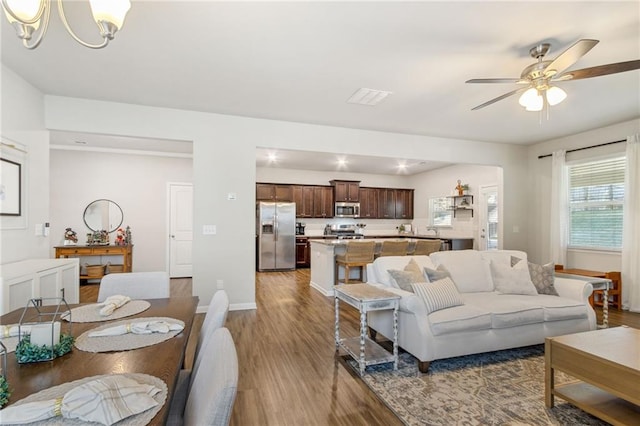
103	215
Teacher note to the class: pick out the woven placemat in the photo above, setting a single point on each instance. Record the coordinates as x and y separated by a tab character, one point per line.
91	313
124	342
136	420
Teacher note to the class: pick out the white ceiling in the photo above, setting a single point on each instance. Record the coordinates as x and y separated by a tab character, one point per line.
301	61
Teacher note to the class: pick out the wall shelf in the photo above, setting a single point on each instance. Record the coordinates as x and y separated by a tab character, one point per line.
461	203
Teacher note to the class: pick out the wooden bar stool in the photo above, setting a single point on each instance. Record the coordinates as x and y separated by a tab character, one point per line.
426	247
394	248
358	255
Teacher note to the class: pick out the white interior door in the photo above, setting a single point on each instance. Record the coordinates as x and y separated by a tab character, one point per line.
180	229
488	218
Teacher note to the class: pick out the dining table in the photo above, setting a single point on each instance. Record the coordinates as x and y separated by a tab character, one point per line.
162	360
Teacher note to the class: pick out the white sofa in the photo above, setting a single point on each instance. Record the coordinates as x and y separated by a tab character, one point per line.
488	320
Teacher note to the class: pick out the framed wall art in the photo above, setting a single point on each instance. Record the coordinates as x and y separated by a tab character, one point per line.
10	188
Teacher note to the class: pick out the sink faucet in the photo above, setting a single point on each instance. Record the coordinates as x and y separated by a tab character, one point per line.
435	229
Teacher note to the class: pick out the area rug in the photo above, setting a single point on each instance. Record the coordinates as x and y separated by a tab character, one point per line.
495	388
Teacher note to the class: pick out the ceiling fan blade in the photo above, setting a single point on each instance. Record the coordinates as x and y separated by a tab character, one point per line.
501	97
496	80
570	56
599	70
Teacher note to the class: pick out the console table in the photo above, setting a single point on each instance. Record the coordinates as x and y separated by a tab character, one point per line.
91	251
365	298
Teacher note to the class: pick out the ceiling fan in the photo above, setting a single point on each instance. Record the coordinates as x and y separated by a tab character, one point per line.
538	77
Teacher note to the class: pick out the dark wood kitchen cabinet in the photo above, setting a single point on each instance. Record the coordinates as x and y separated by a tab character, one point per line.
369	203
303	252
322	201
404	203
274	192
303	197
346	191
386	203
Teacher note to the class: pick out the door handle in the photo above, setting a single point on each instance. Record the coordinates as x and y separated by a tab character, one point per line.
172	236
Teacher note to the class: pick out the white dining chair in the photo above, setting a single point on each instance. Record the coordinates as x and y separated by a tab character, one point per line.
210	398
215	317
136	285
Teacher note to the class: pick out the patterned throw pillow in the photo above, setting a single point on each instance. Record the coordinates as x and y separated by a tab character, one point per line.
542	276
438	295
437	274
411	274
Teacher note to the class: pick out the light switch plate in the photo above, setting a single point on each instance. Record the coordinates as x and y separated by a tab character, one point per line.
209	230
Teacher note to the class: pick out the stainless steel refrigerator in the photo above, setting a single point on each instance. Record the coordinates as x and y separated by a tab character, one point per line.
276	231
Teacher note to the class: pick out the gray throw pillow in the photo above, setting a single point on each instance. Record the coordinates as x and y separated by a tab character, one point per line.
542	276
436	274
411	274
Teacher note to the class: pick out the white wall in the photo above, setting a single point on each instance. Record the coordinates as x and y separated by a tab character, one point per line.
137	183
442	182
539	189
224	162
22	121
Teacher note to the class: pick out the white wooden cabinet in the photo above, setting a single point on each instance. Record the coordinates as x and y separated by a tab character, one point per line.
32	278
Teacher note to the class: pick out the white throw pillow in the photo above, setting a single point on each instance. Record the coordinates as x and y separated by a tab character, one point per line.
438	295
512	280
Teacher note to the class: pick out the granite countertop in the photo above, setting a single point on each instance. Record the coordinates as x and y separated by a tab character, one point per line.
409	237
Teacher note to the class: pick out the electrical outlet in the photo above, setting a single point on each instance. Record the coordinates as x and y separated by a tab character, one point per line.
220	284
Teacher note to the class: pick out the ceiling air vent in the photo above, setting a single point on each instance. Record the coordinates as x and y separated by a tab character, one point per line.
368	97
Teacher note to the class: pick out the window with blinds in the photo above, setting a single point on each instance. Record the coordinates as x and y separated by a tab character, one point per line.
596	195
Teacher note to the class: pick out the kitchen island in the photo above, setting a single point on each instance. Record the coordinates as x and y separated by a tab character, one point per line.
324	250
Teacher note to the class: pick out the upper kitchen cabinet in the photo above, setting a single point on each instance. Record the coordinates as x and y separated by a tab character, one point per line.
386	203
404	203
369	203
303	197
322	201
346	190
274	192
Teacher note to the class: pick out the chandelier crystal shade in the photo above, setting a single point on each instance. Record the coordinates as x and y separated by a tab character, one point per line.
29	16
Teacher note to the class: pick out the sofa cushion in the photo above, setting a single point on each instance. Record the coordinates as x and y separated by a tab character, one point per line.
409	275
560	308
461	318
502	256
438	295
507	310
469	271
512	279
382	264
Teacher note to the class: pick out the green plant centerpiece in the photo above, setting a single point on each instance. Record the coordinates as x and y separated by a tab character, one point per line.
27	352
4	385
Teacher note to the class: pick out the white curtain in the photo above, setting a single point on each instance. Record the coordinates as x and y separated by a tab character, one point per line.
559	233
631	227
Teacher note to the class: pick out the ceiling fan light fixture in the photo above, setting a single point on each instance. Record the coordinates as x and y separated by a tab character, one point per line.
555	95
27	16
529	97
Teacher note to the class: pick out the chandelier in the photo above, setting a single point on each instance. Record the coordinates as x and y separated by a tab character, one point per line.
27	16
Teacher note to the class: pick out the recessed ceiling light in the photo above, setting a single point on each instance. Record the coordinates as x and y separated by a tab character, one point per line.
369	97
273	157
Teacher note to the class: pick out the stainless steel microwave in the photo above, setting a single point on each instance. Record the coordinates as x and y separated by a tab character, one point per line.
347	210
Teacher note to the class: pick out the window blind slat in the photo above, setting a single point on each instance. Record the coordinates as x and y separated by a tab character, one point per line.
596	193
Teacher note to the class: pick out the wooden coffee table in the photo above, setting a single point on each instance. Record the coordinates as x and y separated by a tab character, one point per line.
607	363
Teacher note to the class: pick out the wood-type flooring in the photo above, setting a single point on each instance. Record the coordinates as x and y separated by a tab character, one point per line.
289	374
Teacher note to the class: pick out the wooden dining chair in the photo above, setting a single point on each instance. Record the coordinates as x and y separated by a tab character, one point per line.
394	248
136	285
357	255
212	392
426	247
